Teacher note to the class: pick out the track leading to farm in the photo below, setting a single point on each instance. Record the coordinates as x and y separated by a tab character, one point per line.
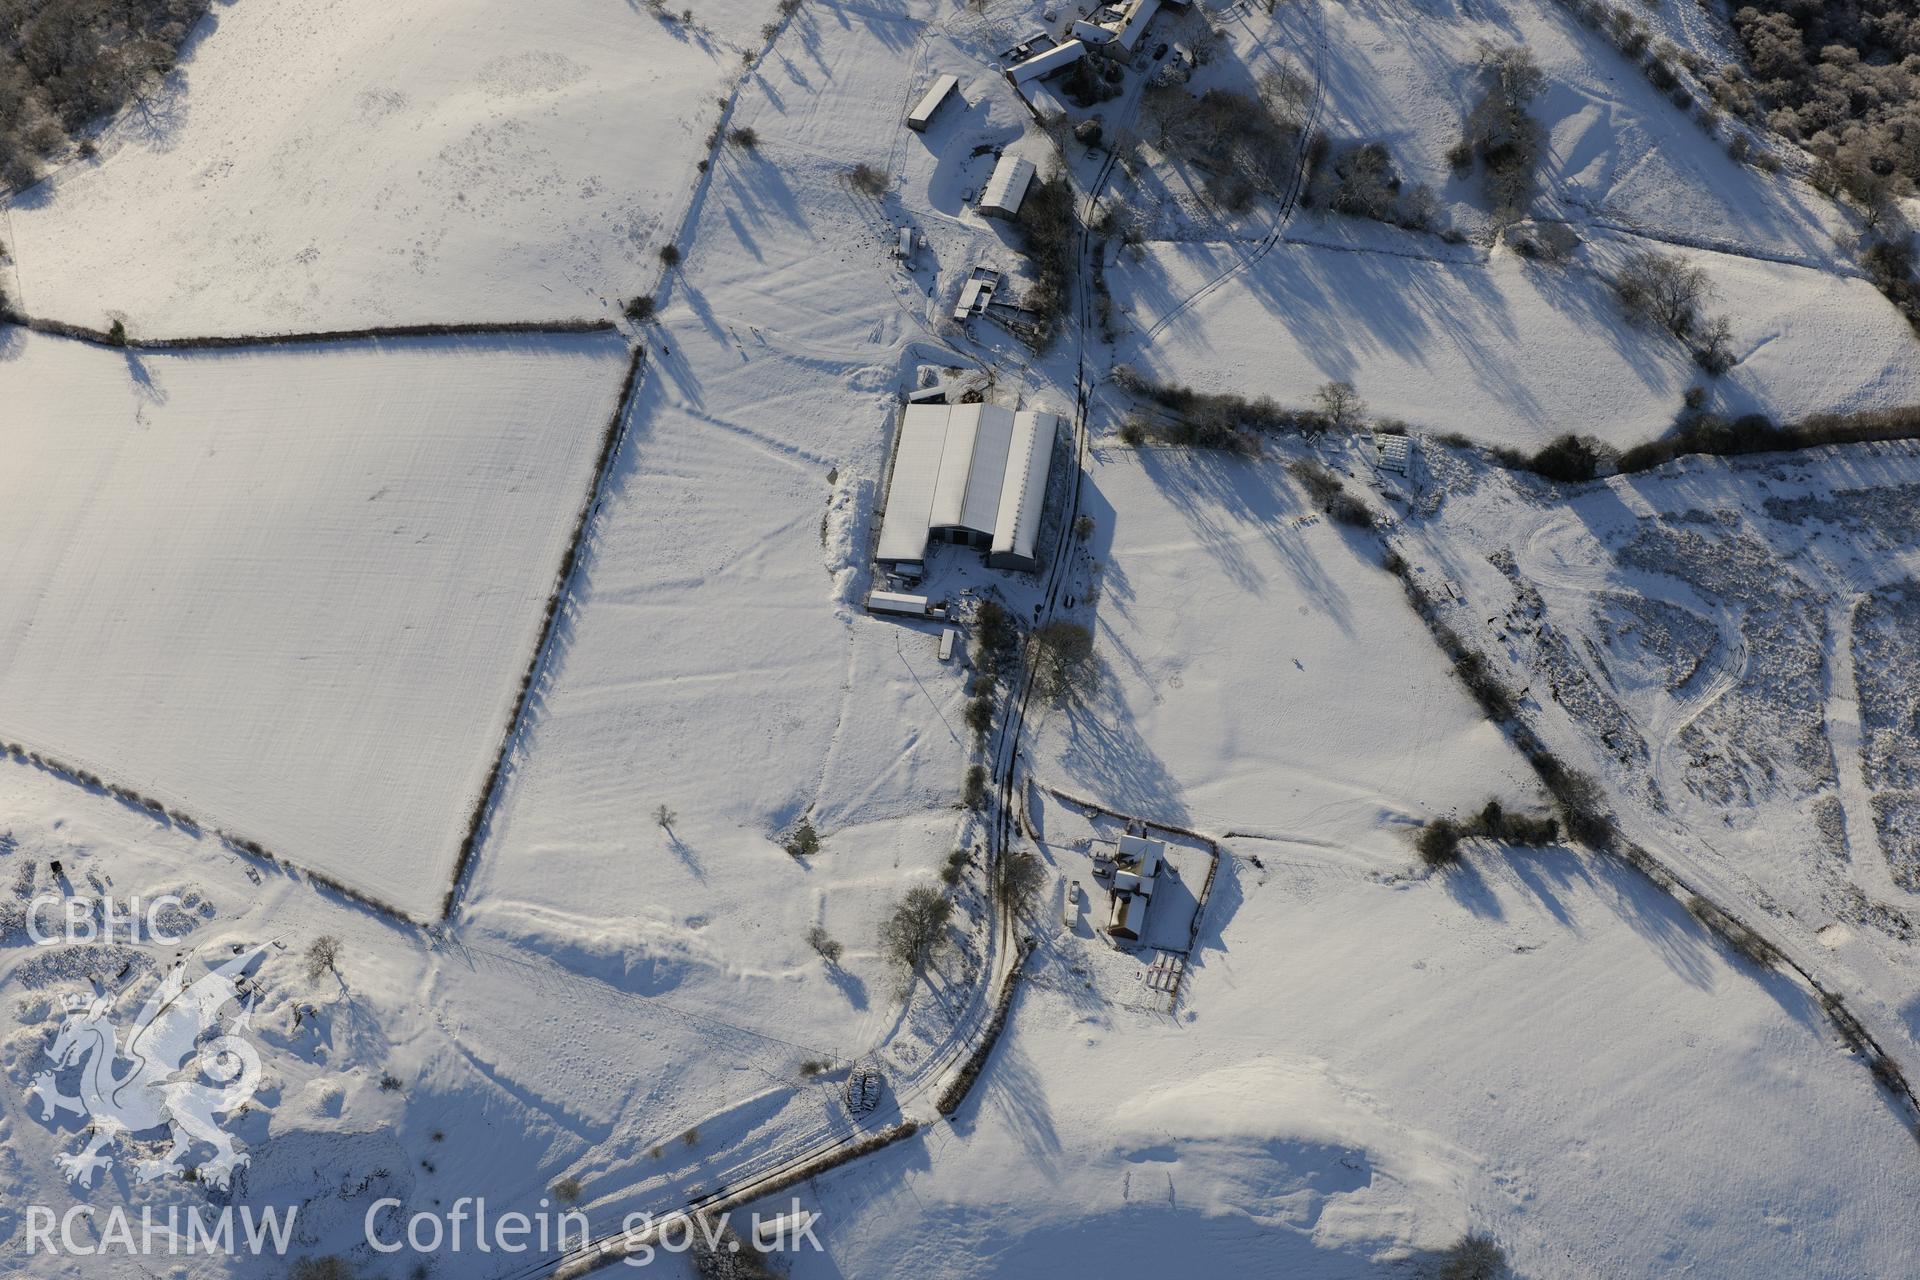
1290	199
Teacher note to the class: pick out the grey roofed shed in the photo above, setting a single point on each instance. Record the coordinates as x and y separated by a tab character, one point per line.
972	466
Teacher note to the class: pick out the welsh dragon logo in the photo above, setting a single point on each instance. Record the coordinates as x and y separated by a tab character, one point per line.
159	1079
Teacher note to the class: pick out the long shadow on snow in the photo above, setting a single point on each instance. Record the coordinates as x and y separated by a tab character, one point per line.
1105	754
1216	493
1014	1089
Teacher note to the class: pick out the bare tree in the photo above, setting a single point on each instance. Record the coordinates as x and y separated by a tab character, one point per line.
1501	132
1239	142
665	817
1513	71
1658	288
1473	1257
1017	878
1365	186
804	842
1419	208
1288	93
823	944
917	928
1714	351
1339	404
323	956
1061	654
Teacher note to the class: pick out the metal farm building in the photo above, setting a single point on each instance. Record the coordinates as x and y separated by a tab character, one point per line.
973	474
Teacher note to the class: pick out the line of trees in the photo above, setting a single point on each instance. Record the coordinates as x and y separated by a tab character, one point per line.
1222	420
1572	459
1048	223
1438	840
1244	145
1365	184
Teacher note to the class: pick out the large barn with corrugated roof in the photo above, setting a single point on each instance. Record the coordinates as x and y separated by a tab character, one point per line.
972	474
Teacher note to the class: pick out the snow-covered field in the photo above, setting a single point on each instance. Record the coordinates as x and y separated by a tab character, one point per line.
1259	672
1537	1045
1619	153
715	658
292	593
421	1070
1503	350
354	162
1460	338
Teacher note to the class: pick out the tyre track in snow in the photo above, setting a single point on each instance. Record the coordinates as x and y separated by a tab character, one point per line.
1847	737
812	1142
976	1009
1297	182
1543	561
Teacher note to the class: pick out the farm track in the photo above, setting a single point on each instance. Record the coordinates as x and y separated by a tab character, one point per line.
1297	181
815	1146
809	1147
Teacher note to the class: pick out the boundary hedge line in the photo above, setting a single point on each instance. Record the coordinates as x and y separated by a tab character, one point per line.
609	447
1714	436
102	338
1574	459
162	813
610	438
962	1084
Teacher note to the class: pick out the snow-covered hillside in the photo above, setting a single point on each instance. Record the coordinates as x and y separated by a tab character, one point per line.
1469	336
1504	350
354	162
767	888
1539	1045
1259	673
1724	640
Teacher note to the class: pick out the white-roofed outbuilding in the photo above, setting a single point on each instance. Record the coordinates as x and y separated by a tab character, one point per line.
973	474
1023	492
916	469
1056	59
922	114
1007	187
